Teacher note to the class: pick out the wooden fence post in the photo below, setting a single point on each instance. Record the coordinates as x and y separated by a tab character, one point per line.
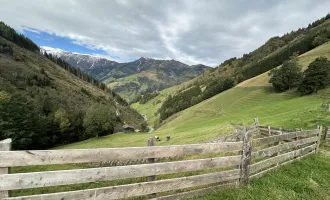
151	160
246	160
240	153
5	145
256	124
327	133
278	143
319	138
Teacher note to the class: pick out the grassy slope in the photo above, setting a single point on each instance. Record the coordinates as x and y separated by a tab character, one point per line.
260	81
304	179
255	98
151	107
252	98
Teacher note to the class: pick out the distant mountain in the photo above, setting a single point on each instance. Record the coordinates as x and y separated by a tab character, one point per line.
131	78
82	61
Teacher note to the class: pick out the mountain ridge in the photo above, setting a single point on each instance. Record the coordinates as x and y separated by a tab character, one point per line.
131	78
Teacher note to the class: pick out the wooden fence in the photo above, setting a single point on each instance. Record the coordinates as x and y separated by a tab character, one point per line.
255	155
327	133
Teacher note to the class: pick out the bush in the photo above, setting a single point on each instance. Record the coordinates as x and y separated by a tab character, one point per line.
5	48
316	76
286	77
98	121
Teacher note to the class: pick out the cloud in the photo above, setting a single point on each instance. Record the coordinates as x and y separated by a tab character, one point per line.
191	31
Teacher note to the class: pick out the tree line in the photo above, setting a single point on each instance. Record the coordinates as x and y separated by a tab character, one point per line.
192	96
11	35
289	75
265	58
302	45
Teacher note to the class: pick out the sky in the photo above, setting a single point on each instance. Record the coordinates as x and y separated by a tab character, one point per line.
190	31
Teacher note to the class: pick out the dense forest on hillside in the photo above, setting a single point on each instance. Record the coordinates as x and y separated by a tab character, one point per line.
43	105
11	35
273	53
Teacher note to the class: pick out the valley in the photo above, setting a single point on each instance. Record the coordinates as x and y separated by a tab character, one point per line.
249	99
148	128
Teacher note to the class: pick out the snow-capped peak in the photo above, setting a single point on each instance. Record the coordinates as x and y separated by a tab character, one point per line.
60	52
54	51
83	61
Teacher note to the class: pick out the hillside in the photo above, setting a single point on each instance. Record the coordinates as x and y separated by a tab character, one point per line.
268	56
213	117
132	78
43	105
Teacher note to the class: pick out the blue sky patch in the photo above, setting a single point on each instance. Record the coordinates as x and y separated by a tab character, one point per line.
42	38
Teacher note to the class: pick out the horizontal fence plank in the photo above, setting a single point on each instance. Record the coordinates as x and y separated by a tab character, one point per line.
266	132
281	158
66	177
70	156
287	136
196	193
282	147
137	189
260	174
277	129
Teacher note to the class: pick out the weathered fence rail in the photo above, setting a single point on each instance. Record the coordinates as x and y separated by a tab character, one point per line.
257	155
327	133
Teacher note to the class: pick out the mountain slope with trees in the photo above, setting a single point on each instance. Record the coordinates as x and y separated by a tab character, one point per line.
43	104
273	53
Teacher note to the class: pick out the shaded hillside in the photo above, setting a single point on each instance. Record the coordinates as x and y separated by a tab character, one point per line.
130	79
43	105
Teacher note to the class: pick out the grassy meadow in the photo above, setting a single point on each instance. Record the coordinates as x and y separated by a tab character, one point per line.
305	179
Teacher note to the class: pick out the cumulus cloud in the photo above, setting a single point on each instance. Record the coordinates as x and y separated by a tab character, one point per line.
191	31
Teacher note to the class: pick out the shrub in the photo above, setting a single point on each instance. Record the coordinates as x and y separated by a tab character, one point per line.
316	76
286	77
99	120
